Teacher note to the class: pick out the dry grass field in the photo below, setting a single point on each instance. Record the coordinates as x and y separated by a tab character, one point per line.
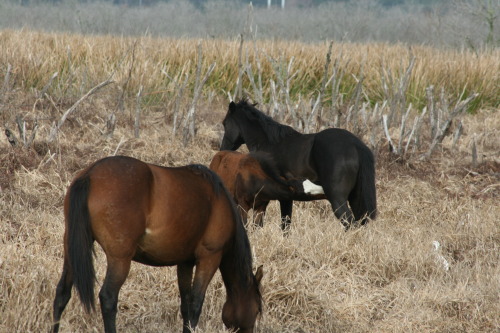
385	277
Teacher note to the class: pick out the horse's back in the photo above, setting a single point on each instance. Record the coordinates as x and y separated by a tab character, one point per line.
119	182
337	137
240	171
227	165
159	215
189	203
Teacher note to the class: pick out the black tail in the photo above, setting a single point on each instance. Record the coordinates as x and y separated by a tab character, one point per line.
363	200
80	242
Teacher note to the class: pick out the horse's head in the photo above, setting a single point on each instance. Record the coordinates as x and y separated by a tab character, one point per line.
240	312
233	137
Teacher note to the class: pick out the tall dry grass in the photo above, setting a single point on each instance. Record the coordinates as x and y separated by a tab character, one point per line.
386	277
158	64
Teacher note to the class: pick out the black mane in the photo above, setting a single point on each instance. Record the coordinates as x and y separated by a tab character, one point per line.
275	131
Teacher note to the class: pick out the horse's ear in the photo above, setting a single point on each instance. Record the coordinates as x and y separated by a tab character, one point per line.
258	274
232	106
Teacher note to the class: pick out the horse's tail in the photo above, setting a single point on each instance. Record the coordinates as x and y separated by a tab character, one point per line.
363	200
79	241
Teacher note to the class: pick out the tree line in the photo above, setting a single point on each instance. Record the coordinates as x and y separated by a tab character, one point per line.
258	3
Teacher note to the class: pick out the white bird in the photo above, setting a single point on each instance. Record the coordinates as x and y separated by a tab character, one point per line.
439	257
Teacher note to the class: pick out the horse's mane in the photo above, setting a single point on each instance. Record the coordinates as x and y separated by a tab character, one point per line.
208	175
241	252
274	130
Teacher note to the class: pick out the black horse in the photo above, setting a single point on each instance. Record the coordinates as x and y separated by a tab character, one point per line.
334	158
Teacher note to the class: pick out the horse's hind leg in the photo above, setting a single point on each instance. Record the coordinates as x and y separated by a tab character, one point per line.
116	274
185	280
337	193
286	214
63	294
342	212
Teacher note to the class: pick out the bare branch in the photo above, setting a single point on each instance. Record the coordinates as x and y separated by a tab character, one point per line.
11	137
57	126
238	92
137	122
386	131
403	129
5	86
443	130
190	120
47	86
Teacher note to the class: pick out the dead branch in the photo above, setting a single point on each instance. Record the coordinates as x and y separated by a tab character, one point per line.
47	86
386	131
57	126
474	152
11	137
259	90
314	110
137	122
124	87
459	108
458	133
402	130
110	125
239	83
6	82
190	120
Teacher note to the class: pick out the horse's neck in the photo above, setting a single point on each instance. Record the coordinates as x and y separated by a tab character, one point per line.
235	280
257	139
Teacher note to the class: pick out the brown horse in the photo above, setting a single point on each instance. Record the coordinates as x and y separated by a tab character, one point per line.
253	180
160	217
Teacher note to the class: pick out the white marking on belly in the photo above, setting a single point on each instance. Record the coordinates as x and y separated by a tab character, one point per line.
147	231
311	188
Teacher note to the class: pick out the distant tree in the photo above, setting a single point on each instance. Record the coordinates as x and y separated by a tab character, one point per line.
486	13
391	3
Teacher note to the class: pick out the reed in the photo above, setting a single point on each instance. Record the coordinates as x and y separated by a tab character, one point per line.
83	61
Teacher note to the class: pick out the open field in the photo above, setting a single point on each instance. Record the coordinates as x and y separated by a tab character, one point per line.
159	65
385	277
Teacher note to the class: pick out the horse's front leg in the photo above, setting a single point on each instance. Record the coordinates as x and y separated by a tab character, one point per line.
259	211
185	280
286	214
204	272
